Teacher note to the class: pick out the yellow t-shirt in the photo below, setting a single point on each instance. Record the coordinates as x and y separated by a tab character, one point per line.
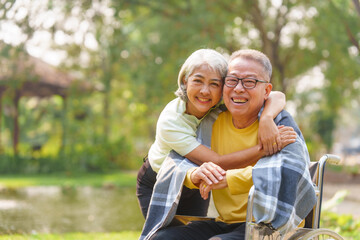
231	202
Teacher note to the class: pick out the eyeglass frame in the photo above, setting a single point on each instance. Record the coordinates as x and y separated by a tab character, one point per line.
242	83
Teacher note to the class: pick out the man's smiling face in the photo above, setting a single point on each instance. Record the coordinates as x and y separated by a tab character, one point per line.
245	104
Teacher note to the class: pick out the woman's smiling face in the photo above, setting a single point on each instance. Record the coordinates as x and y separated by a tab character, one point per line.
203	89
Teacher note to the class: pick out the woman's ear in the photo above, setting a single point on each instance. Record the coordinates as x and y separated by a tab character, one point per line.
183	80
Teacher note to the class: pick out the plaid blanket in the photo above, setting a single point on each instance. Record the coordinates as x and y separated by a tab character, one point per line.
284	193
169	183
277	203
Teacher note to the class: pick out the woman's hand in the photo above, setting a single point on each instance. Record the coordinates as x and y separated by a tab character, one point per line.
287	135
208	172
269	136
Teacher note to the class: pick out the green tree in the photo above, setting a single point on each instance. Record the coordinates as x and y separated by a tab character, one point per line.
133	51
338	45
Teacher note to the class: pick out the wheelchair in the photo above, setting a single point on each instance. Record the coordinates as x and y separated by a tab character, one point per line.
312	229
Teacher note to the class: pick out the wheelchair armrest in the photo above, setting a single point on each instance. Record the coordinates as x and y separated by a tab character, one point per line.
330	158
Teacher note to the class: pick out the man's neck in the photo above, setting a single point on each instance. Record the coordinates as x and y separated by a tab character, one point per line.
243	122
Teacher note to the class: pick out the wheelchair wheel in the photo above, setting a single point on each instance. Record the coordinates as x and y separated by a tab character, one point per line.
319	234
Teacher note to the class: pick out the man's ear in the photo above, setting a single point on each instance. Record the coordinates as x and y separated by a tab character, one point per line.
268	89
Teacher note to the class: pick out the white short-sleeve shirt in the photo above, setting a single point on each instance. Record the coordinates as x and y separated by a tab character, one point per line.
175	130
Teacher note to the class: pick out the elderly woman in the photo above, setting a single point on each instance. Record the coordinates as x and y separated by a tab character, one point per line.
200	82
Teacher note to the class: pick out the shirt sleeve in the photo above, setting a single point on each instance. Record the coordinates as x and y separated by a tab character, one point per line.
239	180
188	183
177	135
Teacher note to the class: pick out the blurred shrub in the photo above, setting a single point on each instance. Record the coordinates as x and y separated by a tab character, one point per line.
103	156
344	224
99	157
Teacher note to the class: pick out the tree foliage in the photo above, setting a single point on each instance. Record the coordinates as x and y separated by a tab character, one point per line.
132	52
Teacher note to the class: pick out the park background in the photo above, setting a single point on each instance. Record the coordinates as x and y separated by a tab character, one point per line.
82	83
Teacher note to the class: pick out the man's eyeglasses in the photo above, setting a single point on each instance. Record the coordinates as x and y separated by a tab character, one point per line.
248	82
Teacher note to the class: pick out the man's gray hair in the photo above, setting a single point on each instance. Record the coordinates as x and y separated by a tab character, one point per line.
255	55
213	59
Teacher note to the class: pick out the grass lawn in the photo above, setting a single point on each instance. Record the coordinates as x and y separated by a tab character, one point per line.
76	236
118	179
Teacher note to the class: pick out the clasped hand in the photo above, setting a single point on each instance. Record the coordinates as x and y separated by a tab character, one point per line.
207	177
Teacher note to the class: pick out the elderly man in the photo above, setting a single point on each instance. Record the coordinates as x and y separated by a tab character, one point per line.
247	86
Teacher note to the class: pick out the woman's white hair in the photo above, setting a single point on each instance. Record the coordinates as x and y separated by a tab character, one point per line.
213	59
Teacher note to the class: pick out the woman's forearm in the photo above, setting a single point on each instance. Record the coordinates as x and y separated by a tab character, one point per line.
233	160
269	137
274	104
241	159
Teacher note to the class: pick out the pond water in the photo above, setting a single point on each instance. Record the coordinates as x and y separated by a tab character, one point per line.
67	209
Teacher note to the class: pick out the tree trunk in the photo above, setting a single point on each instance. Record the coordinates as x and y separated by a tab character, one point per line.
16	123
107	81
1	111
106	115
357	6
64	127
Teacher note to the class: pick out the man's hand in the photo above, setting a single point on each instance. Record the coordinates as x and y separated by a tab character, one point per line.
205	189
208	172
